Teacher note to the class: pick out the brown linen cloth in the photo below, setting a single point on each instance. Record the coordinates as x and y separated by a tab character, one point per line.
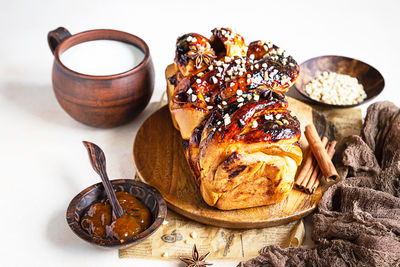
358	220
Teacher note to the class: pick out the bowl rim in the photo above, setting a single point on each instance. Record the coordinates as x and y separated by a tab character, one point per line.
104	34
333	105
157	221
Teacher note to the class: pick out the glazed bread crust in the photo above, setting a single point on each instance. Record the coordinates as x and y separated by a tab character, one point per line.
227	100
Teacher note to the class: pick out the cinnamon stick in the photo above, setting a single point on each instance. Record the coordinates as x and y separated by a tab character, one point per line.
320	154
307	162
314	175
313	168
307	168
314	185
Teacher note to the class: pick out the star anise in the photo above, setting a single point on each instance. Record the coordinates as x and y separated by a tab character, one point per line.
200	56
196	260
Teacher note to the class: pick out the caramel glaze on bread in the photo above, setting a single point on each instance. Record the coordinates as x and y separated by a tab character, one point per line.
227	100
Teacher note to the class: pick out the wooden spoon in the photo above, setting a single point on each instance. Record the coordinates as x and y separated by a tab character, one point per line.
98	161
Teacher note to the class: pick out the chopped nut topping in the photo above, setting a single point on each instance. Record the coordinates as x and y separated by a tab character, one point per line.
255	124
227	120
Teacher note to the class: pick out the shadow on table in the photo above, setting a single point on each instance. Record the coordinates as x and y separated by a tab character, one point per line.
62	237
38	100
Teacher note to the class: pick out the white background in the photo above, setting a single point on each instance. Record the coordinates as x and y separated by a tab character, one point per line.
43	163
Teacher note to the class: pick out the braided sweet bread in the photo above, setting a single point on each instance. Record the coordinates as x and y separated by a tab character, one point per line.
227	100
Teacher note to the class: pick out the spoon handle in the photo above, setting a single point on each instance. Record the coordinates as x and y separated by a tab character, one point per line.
98	162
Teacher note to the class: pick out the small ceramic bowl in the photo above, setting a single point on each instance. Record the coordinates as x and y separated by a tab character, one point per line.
371	79
147	194
101	101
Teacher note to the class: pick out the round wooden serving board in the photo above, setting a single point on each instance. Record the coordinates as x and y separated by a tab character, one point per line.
160	162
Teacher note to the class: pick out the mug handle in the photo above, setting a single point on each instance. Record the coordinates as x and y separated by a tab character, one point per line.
54	38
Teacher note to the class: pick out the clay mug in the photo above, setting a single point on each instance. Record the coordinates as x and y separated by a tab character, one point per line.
101	101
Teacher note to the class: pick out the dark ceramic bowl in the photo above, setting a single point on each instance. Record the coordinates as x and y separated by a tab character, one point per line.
147	194
368	76
101	101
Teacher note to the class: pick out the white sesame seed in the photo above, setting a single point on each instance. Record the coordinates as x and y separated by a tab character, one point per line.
209	107
232	84
207	99
211	67
238	61
256	97
220	69
194	39
264	65
215	80
227	79
189	38
200	74
248	81
269	117
239	92
224	103
225	65
255	124
227	59
240	105
189	91
198	80
249	96
249	75
257	66
218	74
219	106
252	57
240	99
193	98
227	120
219	123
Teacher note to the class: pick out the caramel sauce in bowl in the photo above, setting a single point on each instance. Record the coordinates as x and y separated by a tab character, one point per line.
89	214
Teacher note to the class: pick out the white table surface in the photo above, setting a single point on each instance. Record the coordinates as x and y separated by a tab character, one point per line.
43	162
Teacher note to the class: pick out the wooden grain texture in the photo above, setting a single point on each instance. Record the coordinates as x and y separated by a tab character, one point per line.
101	101
160	162
98	161
371	79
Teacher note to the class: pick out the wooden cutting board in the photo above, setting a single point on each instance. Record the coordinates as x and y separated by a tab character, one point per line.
160	162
